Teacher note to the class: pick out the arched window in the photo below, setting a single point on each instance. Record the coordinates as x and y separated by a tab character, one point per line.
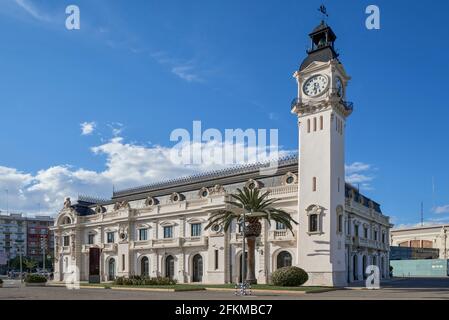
197	264
111	269
340	223
355	267
314	124
321	123
145	267
308	125
169	267
313	223
284	259
364	265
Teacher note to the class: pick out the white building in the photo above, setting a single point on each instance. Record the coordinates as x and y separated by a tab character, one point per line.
425	237
158	230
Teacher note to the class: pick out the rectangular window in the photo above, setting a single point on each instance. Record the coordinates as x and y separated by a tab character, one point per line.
314	184
195	229
123	262
375	235
143	234
383	237
340	223
308	125
338	184
321	123
356	230
168	232
314	124
313	223
280	226
216	259
365	233
91	239
110	237
66	241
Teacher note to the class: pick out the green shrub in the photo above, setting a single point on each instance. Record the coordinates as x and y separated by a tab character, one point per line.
289	277
143	281
1	281
35	278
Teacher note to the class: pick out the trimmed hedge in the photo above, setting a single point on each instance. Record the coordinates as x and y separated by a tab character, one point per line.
143	281
35	278
289	277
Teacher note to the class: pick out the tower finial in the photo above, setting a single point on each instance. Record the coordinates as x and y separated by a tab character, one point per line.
323	11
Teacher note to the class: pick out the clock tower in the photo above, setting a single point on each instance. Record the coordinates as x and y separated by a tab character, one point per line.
322	110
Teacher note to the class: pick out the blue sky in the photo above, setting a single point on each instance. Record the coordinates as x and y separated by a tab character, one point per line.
137	70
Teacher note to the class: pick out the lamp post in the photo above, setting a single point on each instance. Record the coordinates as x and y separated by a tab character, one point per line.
243	286
43	246
19	248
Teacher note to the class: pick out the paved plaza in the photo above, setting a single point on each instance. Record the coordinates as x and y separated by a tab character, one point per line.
430	288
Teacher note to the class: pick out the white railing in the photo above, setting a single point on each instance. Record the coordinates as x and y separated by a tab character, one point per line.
293	188
195	241
109	246
281	235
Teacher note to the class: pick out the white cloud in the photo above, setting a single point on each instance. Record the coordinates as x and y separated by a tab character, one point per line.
441	209
127	165
359	173
87	128
357	167
185	70
31	9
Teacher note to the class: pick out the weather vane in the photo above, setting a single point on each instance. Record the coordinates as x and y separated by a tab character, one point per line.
323	11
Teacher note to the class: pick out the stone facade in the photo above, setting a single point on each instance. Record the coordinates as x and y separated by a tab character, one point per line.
158	230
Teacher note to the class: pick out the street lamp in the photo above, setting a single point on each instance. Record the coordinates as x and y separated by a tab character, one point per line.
244	286
19	248
43	247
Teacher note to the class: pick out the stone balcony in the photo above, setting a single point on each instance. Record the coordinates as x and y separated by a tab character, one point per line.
195	241
281	236
65	249
366	243
167	243
109	247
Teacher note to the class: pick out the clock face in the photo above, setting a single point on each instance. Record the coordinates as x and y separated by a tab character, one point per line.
316	85
339	86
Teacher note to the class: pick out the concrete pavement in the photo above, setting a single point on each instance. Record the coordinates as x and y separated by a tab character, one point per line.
405	289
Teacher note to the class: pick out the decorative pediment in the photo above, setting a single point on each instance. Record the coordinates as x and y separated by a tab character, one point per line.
196	220
151	201
167	223
100	209
176	197
289	178
315	209
253	184
121	205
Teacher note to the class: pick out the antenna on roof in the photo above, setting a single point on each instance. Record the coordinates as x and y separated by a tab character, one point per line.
422	214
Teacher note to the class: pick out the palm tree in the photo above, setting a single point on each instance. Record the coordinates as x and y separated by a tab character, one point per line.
30	264
256	207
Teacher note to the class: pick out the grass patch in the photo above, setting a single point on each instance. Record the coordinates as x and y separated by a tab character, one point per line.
268	287
196	287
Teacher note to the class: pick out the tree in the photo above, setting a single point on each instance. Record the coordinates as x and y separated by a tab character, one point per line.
30	264
256	207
